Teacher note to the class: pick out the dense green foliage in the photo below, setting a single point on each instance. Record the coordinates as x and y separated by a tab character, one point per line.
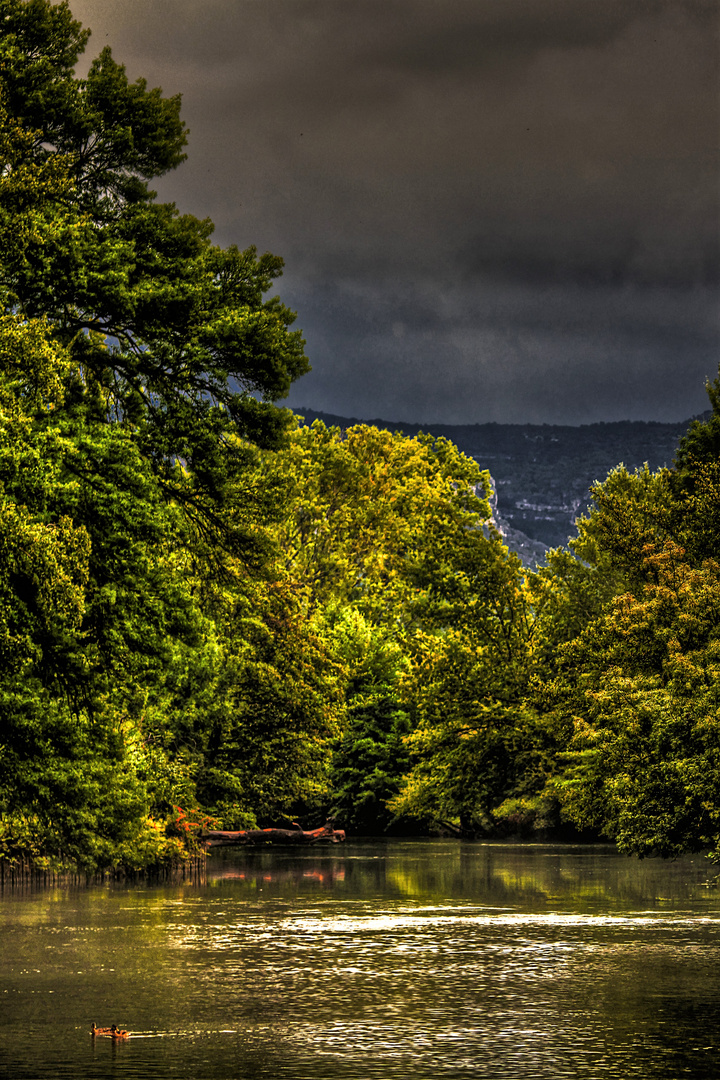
209	612
637	676
139	369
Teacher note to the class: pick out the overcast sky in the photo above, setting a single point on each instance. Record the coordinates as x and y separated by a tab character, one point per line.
489	209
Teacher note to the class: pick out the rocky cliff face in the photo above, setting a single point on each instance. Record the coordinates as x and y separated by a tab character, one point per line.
543	473
530	552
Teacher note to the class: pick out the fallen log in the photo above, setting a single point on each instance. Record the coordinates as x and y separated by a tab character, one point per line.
295	835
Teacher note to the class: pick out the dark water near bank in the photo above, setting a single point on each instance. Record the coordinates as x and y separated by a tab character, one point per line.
399	959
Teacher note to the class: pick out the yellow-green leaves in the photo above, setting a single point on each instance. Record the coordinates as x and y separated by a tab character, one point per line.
32	366
363	505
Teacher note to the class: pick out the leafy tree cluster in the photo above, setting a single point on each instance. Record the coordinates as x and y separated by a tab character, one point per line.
211	613
611	723
139	366
635	631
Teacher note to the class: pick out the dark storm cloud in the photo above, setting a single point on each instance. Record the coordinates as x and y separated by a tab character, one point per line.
488	210
493	35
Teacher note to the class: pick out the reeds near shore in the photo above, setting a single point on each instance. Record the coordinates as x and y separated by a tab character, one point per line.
19	875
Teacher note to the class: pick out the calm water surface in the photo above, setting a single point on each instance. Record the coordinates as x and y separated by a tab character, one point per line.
394	959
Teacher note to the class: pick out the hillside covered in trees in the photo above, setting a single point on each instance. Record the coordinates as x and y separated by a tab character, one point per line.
210	615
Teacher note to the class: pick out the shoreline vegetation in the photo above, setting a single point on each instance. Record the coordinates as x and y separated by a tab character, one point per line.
23	875
213	618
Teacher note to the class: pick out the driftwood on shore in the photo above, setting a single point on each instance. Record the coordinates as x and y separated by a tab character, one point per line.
294	835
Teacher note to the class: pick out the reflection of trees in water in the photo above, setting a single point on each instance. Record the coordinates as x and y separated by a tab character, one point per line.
263	869
490	874
583	875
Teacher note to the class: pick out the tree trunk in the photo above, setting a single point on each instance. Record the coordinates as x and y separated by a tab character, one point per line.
295	835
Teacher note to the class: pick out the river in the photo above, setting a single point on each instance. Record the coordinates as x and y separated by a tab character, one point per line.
390	959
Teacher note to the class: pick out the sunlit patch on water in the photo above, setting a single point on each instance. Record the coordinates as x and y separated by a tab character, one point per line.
349	924
421	928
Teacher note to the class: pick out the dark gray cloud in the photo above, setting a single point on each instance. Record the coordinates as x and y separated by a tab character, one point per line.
488	211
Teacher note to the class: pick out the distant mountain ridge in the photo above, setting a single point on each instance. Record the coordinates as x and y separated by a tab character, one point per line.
543	472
